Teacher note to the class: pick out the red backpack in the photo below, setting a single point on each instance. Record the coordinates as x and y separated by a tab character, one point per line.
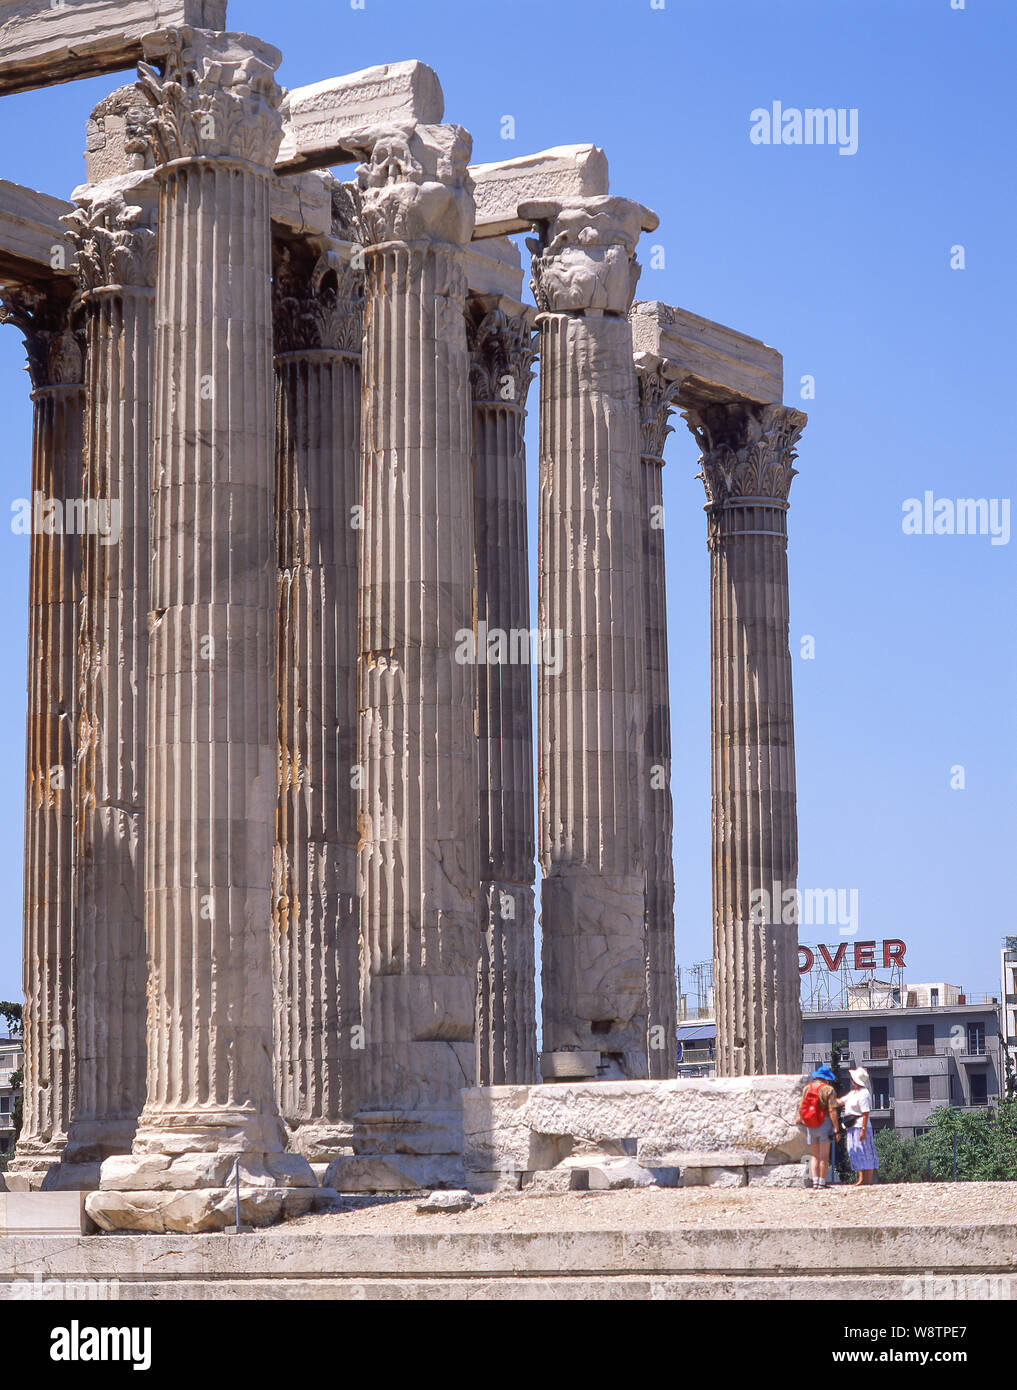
813	1110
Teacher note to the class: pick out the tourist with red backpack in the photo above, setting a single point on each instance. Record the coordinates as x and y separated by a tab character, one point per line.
817	1111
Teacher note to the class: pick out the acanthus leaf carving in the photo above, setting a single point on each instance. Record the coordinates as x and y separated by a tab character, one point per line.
54	345
658	395
114	247
215	98
748	450
502	352
318	302
415	184
585	254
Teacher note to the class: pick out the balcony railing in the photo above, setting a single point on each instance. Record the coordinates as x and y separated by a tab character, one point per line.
696	1054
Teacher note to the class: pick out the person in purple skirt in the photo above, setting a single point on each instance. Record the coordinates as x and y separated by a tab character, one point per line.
861	1146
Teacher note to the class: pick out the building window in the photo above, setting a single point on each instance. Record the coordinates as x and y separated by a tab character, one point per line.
921	1088
976	1039
926	1040
5	1105
881	1094
934	998
877	1042
979	1090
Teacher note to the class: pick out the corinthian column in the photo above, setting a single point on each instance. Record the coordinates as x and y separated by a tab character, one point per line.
211	785
591	703
501	347
56	366
116	272
747	461
419	805
318	334
657	396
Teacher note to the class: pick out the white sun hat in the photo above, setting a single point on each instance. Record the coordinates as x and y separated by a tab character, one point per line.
859	1076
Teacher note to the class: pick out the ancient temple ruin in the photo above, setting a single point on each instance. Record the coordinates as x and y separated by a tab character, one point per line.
281	820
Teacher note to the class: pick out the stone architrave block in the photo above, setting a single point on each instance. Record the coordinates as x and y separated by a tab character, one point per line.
42	43
716	364
33	240
745	1120
494	267
302	204
566	171
319	120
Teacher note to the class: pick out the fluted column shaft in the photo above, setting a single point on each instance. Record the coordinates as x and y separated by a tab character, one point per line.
419	806
591	705
748	453
56	367
116	268
212	749
657	395
501	353
318	318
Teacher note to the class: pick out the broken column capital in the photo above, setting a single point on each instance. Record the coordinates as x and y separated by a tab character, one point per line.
55	347
113	235
215	98
317	301
748	450
415	184
502	351
584	256
659	386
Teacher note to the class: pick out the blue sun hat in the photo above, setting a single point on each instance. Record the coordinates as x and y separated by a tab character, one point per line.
823	1073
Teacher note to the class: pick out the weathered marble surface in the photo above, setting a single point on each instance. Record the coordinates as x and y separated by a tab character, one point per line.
591	704
419	797
42	42
747	1121
747	468
566	171
712	362
33	243
56	366
319	120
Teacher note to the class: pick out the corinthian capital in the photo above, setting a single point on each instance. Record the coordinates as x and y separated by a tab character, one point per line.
415	184
318	302
748	450
56	352
585	254
659	386
502	350
114	236
216	97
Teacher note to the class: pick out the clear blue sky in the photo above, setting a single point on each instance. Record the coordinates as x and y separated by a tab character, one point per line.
843	263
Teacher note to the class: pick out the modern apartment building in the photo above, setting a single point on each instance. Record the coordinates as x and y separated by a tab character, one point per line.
936	1046
11	1060
1008	995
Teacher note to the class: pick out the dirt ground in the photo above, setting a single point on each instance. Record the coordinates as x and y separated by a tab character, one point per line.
893	1204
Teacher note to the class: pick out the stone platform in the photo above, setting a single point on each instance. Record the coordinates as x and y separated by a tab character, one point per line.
731	1132
907	1242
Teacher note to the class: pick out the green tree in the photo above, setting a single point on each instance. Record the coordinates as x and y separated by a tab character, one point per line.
12	1013
901	1157
986	1143
1009	1068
